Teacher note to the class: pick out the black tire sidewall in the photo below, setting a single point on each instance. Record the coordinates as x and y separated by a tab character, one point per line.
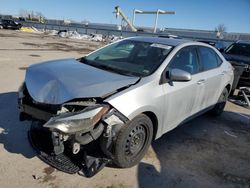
217	110
119	154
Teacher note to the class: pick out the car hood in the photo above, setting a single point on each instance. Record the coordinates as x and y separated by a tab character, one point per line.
237	58
59	81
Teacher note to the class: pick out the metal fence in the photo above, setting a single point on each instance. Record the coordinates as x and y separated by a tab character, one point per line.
109	30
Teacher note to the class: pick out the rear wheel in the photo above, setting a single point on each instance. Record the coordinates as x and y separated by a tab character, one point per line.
133	141
219	107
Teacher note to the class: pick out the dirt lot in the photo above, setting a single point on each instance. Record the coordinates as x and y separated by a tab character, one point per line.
206	152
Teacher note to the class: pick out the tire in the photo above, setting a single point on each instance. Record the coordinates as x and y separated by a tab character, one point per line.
1	27
132	141
219	107
232	93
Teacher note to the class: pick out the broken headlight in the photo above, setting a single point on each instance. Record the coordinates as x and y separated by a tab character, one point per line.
77	121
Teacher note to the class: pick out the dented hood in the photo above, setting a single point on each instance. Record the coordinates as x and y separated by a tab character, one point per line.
56	82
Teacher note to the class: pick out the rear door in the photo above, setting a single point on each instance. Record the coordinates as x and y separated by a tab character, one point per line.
213	76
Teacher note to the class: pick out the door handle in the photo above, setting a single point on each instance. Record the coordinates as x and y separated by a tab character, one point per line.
223	73
201	81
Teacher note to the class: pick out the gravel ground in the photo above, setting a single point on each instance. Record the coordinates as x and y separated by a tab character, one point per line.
206	152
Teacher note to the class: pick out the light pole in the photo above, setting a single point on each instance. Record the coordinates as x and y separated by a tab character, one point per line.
156	20
136	11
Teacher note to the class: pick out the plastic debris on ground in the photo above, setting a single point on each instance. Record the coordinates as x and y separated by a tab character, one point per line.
73	34
30	29
242	98
36	30
51	32
96	37
113	38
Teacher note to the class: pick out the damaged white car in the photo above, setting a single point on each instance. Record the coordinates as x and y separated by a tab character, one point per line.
108	106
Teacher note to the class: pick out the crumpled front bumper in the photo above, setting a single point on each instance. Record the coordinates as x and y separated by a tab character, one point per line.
86	150
85	164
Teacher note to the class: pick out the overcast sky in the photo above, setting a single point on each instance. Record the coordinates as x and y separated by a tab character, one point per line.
190	14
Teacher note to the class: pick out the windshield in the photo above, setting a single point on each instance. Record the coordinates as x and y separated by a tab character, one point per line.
128	57
239	49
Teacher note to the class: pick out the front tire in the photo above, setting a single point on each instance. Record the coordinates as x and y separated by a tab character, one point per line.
219	107
133	141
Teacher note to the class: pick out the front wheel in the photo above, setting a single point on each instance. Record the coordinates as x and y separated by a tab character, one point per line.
219	107
133	141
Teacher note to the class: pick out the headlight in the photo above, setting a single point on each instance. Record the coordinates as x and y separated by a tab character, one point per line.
80	121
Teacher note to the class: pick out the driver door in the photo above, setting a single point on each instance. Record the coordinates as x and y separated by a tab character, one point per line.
182	99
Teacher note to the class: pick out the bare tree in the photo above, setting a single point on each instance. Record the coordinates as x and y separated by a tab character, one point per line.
30	13
39	14
23	13
220	30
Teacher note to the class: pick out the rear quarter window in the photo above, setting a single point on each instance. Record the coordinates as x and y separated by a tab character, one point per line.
219	60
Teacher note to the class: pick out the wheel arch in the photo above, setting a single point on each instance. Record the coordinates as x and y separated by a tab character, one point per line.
228	87
154	120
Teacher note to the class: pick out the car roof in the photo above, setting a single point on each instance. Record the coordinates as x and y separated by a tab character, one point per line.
243	42
160	40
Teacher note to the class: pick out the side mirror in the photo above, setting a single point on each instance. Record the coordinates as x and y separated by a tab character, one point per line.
179	75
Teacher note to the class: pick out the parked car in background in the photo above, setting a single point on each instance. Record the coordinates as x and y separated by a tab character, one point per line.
121	96
219	45
170	36
238	54
210	42
9	24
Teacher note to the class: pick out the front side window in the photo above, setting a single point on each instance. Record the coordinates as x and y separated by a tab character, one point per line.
186	59
129	57
208	58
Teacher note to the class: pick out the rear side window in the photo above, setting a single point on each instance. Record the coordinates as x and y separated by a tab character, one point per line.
208	58
186	59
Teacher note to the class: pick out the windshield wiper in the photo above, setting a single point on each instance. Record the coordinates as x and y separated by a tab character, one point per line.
108	68
85	61
112	69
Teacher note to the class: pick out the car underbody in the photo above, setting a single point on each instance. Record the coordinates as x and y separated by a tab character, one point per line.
63	134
